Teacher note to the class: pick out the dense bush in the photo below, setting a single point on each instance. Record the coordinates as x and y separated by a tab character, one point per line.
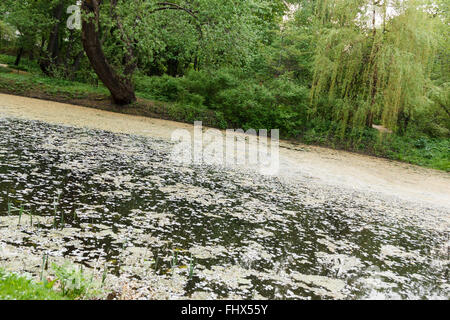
238	101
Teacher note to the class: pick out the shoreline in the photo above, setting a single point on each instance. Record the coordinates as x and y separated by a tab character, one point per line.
297	161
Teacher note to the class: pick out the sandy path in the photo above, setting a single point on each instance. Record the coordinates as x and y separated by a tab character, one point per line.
318	165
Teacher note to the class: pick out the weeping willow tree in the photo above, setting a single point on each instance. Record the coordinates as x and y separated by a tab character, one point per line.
373	61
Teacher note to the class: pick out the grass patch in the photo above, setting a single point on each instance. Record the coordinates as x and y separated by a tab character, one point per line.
25	64
42	87
5	70
50	86
14	287
61	282
424	151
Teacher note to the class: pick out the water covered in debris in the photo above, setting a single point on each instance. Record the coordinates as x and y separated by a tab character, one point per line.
173	231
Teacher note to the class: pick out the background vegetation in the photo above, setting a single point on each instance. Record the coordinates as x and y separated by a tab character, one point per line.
322	71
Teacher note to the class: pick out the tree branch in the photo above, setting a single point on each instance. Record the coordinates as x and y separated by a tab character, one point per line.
174	6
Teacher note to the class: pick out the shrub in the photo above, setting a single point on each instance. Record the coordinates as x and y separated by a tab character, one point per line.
238	101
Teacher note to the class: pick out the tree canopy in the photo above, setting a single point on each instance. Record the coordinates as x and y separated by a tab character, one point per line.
373	60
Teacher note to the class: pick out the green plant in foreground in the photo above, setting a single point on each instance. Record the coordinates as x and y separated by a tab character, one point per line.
21	210
15	287
66	282
105	273
44	266
191	267
75	283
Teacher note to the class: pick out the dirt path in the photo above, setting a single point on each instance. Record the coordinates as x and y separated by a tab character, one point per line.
423	186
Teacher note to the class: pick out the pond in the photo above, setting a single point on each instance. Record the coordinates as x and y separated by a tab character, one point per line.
172	231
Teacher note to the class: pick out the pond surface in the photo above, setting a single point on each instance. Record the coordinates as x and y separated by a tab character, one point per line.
176	231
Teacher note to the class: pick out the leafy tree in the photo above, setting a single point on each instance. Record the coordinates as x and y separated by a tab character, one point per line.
5	28
293	48
28	18
203	32
6	31
373	60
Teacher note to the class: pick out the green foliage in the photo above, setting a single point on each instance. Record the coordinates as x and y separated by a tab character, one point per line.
25	65
238	101
207	34
21	83
6	31
29	18
166	88
69	282
374	72
76	283
291	53
422	151
5	70
14	287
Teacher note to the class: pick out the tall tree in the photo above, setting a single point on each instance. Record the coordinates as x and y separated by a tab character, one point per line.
373	60
120	86
117	35
29	19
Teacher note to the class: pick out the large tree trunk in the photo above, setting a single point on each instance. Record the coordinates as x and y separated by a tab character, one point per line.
121	88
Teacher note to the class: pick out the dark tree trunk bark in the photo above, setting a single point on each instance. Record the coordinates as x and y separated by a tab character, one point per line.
121	88
19	56
402	122
154	71
53	45
196	63
42	46
69	48
76	64
31	56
